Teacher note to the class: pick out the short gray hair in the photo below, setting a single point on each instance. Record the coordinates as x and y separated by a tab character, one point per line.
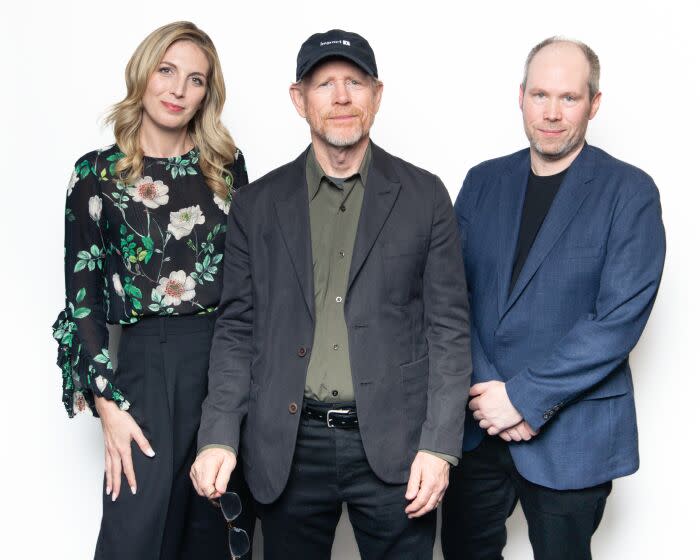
591	57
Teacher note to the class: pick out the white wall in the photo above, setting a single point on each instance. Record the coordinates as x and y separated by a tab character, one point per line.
451	72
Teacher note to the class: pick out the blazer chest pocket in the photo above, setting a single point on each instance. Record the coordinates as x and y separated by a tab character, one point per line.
402	261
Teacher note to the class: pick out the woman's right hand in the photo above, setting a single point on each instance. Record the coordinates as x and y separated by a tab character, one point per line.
119	428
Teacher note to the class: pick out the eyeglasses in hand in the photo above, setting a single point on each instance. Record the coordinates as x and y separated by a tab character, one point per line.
231	507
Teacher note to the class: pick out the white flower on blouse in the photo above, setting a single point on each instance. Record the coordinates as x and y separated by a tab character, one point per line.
71	183
175	289
183	221
95	207
79	402
124	405
152	193
101	383
117	285
223	204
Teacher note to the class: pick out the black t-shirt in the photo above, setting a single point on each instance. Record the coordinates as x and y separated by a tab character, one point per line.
540	193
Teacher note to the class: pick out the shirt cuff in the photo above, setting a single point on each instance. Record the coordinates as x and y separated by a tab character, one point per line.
452	460
217	446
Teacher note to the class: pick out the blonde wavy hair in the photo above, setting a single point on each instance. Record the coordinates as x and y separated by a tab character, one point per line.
215	145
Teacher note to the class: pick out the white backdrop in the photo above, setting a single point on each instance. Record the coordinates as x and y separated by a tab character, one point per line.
451	74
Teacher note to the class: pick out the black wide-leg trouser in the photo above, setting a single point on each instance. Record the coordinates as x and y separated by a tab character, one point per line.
162	369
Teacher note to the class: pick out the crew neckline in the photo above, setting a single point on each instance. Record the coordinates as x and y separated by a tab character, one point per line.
181	156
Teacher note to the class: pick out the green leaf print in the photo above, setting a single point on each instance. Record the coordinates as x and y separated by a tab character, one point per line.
149	246
81	312
83	169
80	296
132	290
103	358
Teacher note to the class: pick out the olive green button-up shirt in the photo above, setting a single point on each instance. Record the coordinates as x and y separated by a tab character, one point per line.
334	212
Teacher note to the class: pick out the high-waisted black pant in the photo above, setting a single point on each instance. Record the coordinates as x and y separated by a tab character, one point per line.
162	369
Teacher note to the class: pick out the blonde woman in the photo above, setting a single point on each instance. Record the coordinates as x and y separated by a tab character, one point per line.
145	227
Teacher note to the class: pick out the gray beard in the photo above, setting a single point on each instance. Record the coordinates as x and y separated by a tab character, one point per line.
564	149
343	141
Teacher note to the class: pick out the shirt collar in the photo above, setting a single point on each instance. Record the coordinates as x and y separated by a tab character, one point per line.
314	173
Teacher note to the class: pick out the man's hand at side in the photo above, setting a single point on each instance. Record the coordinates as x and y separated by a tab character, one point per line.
427	484
211	471
520	432
492	407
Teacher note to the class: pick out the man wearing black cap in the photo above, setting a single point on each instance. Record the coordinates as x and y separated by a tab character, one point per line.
343	338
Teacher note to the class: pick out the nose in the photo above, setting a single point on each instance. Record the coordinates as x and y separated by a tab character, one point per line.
552	111
341	95
178	87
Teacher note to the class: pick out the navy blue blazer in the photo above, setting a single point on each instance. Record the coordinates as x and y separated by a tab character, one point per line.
561	339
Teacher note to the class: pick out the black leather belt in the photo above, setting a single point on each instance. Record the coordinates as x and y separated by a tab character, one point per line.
340	417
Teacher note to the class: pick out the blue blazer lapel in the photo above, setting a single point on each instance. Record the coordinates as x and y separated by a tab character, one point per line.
380	194
510	206
573	191
292	209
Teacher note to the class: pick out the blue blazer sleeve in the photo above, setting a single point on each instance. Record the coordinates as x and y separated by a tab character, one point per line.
602	340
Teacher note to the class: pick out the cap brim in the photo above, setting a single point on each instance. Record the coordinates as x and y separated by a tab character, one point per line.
336	54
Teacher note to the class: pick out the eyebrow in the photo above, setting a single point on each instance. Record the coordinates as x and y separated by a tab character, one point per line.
190	74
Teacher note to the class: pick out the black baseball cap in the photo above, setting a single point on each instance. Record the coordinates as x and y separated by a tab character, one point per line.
336	43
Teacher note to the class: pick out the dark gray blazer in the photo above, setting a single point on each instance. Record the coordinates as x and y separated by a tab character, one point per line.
406	310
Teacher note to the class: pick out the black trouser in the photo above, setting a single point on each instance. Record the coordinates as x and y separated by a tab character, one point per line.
483	492
329	468
162	369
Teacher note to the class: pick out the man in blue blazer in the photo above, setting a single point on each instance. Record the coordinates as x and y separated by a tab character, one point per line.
563	248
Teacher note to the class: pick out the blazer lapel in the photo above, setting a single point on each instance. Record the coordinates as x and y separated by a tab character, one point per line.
573	191
510	206
292	209
380	194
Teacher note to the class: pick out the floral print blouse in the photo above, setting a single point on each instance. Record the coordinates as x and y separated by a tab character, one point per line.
131	251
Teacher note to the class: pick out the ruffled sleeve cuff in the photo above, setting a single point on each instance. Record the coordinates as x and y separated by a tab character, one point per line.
84	376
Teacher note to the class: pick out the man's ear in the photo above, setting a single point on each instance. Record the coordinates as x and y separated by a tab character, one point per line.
378	90
520	97
297	96
595	105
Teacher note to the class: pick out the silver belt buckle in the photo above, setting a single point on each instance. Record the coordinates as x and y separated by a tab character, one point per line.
337	410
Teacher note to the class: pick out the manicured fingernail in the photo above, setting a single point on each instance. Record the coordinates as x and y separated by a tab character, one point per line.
150	452
108	490
114	496
133	490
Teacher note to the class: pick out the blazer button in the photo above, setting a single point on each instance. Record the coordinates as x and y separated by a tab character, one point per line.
293	407
301	352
